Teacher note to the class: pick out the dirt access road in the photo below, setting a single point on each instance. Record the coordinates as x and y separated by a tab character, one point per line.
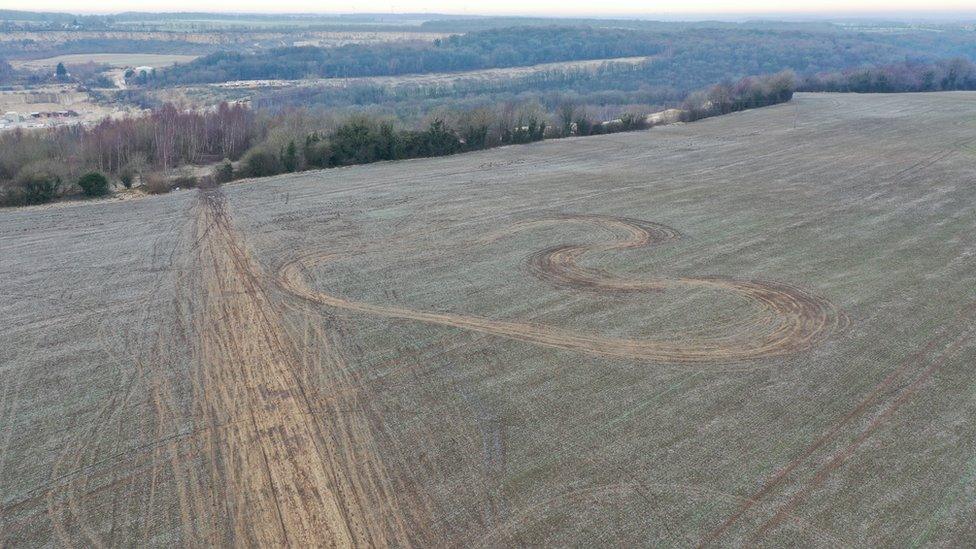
751	329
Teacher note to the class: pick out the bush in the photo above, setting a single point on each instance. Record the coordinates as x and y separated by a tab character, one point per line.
157	184
525	132
362	140
289	157
748	93
633	121
126	177
223	172
31	187
133	169
206	182
9	198
260	163
317	152
94	184
184	181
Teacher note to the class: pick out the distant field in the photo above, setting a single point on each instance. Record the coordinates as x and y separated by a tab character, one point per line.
208	94
112	59
753	330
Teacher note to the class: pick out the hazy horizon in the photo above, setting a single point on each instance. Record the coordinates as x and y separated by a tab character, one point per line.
672	9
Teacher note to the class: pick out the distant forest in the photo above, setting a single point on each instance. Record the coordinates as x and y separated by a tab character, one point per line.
689	60
694	56
683	61
510	47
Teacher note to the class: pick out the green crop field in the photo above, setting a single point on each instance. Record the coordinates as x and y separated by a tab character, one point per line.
755	329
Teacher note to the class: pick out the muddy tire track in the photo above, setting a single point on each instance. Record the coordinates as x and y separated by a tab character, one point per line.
279	466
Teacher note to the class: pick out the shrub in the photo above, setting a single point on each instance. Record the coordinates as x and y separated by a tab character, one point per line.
206	182
633	121
133	169
526	132
583	124
474	128
31	187
362	140
289	157
318	152
11	196
126	177
223	172
184	181
260	163
157	184
94	184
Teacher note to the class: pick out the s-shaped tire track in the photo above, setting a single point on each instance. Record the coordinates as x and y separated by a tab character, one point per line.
795	320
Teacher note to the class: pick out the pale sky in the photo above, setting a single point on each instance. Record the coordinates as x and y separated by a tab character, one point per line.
515	7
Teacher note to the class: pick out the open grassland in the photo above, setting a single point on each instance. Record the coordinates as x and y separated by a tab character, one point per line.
752	329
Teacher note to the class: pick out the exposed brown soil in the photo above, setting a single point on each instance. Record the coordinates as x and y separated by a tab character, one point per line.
282	466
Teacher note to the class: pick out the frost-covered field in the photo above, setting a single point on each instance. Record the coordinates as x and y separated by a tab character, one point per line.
756	328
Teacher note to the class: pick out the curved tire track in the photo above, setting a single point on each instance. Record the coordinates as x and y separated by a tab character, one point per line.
793	319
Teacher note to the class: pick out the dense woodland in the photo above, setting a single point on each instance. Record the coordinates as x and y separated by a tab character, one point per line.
689	58
481	50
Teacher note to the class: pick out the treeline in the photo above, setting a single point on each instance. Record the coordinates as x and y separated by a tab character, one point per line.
954	74
494	48
62	19
292	146
462	24
37	49
35	164
38	166
363	140
747	93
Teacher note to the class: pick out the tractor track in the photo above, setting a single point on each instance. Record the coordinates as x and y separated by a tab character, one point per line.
925	362
291	479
